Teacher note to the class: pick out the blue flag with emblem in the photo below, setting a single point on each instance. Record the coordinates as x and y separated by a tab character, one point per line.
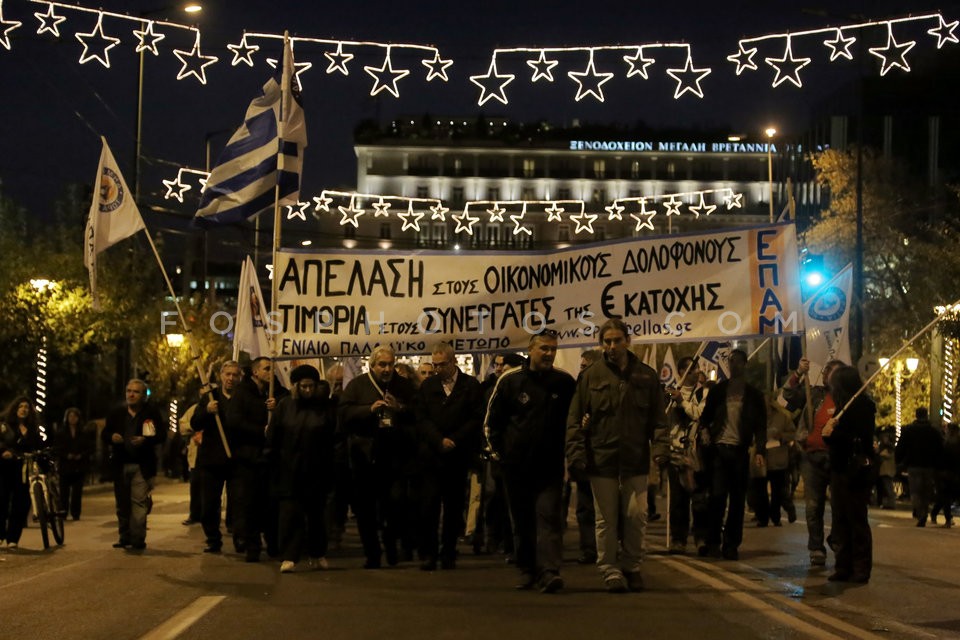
266	152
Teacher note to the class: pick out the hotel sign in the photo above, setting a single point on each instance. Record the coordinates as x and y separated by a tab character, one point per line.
682	147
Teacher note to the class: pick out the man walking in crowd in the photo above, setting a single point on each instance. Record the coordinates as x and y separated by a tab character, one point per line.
919	451
133	433
449	415
815	464
376	410
247	415
616	414
735	417
525	423
216	467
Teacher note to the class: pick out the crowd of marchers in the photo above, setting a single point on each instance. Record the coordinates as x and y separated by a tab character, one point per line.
422	456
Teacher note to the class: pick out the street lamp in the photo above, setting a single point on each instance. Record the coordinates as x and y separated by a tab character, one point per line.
902	369
770	131
174	340
189	8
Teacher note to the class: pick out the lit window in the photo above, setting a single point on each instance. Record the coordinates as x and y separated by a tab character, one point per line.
529	168
600	169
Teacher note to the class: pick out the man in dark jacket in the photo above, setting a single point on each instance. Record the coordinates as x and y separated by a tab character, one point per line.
449	407
616	414
735	416
525	423
133	432
919	451
376	411
212	459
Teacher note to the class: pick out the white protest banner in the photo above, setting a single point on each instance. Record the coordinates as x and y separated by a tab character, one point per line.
719	285
827	321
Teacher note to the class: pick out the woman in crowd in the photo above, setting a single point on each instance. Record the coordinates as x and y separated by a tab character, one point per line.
850	444
74	448
19	434
300	440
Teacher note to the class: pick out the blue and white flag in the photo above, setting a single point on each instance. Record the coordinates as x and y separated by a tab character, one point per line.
717	354
668	370
266	151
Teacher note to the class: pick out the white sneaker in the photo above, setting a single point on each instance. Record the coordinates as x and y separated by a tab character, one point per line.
287	566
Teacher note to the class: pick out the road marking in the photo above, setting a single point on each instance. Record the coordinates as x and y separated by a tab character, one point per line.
699	569
44	574
183	619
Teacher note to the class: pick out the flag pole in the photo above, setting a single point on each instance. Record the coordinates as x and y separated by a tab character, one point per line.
188	333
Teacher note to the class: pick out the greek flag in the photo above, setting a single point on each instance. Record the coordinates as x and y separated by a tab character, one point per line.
266	151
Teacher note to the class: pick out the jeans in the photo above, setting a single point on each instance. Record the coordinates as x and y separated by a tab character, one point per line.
815	468
611	498
729	474
130	490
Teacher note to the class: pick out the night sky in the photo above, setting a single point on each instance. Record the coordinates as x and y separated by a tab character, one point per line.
53	109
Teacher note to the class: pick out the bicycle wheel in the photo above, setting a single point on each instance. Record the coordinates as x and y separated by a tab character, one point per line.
40	504
55	514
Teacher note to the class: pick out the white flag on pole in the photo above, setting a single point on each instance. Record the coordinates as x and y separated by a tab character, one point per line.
250	331
668	370
827	322
114	215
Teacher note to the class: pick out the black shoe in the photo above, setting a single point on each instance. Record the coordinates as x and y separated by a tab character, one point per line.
525	583
252	556
921	523
730	553
653	517
839	576
761	524
428	564
860	578
189	521
709	551
587	557
371	564
137	546
391	553
550	582
212	548
448	564
634	580
121	545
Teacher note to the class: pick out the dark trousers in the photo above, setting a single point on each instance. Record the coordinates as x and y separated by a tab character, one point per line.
496	513
683	503
212	480
443	489
196	495
768	506
923	483
303	526
536	514
946	494
850	537
377	503
729	473
249	500
14	502
71	492
586	518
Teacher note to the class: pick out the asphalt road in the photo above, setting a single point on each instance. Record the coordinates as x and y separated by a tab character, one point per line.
86	589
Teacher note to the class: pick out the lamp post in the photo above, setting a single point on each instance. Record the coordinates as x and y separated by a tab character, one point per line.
770	131
189	8
902	369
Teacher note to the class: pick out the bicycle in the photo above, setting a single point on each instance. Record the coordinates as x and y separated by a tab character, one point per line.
44	481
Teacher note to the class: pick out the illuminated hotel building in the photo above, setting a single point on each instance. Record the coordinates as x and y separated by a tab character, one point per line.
464	160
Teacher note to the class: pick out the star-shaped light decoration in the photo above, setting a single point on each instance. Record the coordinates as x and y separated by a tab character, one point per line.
49	21
338	60
496	214
733	201
298	211
380	208
589	81
439	212
894	54
703	207
243	52
411	219
788	67
175	189
943	31
554	213
673	206
6	26
840	46
350	214
615	211
517	220
465	222
194	63
743	58
688	78
638	64
322	203
542	68
492	79
147	39
644	218
97	45
385	77
436	68
584	221
299	68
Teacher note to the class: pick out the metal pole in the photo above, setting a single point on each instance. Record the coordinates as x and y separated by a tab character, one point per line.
137	145
770	175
